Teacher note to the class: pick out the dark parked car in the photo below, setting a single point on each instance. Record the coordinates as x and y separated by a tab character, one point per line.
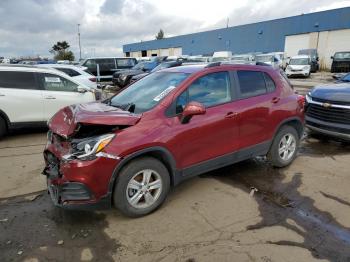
312	53
169	126
108	65
122	78
341	62
161	66
328	110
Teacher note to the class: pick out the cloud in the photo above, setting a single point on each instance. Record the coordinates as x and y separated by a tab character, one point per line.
31	27
112	7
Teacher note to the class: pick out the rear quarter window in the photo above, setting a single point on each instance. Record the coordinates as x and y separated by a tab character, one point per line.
251	83
18	80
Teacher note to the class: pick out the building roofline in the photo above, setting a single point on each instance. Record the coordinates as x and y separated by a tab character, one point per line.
236	26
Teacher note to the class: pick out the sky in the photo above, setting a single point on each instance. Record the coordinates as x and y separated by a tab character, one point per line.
32	27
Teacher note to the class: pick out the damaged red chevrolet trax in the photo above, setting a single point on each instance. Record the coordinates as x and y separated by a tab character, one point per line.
171	125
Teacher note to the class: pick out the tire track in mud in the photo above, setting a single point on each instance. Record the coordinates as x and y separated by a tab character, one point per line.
281	202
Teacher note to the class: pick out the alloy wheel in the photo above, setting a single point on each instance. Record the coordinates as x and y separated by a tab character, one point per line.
144	189
287	147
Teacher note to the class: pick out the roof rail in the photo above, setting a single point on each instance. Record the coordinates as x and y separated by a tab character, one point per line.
262	64
213	64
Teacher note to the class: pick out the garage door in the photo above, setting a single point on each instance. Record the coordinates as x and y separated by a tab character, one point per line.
164	52
177	51
293	43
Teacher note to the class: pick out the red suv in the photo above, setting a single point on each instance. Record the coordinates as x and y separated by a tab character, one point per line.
171	125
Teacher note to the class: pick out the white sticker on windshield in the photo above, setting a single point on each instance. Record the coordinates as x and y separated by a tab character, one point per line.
163	94
52	79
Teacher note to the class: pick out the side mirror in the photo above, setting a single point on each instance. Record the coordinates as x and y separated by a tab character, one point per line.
192	109
332	57
81	89
317	59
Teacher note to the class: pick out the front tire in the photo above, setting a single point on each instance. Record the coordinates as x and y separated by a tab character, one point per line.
284	147
3	127
142	186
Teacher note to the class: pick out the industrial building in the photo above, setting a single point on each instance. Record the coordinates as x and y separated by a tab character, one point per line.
327	31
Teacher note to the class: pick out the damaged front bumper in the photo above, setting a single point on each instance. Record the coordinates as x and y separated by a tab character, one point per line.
79	184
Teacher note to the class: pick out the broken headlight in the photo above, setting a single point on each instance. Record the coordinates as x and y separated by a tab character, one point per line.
87	148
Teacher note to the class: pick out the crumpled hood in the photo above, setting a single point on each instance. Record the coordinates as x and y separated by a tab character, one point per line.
333	92
66	121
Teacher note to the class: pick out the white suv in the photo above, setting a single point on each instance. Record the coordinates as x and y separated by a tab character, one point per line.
78	73
31	95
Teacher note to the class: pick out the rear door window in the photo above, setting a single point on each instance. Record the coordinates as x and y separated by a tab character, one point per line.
18	80
106	64
68	71
125	63
251	83
51	82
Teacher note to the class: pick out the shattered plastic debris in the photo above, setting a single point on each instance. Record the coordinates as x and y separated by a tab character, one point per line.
252	191
60	242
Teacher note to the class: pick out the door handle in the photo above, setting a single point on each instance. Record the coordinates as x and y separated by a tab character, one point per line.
275	100
50	97
231	115
2	95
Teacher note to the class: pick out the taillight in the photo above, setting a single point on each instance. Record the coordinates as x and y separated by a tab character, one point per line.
93	79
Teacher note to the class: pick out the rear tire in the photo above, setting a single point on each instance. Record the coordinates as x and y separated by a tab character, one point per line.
284	147
3	127
142	186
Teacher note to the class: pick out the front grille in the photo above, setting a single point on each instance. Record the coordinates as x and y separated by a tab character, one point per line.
330	114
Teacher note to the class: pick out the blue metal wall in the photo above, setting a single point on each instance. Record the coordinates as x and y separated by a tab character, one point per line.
265	36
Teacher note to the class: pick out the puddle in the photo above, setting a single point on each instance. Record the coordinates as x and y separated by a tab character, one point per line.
41	231
280	202
323	146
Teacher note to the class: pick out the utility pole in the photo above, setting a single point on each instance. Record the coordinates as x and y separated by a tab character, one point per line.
227	21
79	41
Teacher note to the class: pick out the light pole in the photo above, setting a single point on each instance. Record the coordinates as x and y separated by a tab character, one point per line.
79	41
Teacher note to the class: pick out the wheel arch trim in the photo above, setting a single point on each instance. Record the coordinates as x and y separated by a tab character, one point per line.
167	159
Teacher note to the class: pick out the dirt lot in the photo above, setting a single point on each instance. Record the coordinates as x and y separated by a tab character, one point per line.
300	213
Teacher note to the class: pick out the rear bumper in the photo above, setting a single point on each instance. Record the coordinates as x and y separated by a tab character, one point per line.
340	131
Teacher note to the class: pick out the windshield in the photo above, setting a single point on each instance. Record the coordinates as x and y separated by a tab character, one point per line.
219	59
343	55
346	78
162	66
265	58
139	66
299	61
244	58
309	52
146	93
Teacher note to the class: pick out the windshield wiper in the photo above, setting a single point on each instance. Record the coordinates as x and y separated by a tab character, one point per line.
126	107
